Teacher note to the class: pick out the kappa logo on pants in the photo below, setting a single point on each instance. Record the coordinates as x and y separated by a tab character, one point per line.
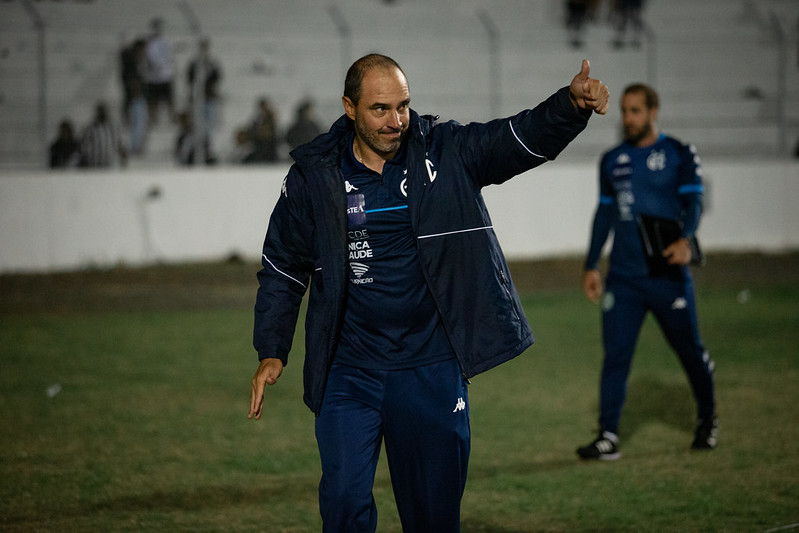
679	303
608	301
460	406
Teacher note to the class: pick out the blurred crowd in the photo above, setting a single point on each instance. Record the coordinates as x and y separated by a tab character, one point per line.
148	76
625	17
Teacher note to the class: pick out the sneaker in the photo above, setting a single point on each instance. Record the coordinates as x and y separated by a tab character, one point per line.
706	435
604	448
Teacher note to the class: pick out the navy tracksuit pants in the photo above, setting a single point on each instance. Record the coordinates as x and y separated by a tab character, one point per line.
422	414
624	306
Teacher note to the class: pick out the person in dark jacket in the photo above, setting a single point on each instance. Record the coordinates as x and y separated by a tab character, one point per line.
410	294
304	127
65	149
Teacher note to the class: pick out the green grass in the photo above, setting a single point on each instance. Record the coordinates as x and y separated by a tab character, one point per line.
149	431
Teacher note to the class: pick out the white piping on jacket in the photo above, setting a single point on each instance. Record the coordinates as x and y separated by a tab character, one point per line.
454	232
281	272
510	123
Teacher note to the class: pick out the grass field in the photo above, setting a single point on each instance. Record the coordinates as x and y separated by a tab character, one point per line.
124	394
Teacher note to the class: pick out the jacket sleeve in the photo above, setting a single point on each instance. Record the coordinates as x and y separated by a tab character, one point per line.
690	190
604	218
500	149
287	264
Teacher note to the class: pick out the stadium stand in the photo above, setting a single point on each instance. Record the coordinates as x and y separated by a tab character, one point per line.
722	66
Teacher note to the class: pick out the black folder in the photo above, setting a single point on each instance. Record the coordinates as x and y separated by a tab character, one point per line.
656	235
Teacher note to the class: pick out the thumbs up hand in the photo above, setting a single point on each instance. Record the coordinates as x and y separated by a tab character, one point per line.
588	93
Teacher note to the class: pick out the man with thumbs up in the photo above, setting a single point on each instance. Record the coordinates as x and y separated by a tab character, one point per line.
382	221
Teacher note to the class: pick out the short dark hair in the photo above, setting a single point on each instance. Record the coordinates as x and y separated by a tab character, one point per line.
356	73
650	95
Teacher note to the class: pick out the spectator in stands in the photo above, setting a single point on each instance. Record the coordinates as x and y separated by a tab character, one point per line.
203	77
187	151
241	146
263	135
304	128
134	63
101	144
578	13
628	16
128	70
160	71
65	149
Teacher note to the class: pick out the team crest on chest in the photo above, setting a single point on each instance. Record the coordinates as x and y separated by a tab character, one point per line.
656	160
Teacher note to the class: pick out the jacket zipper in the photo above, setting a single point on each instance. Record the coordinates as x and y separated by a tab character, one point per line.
507	291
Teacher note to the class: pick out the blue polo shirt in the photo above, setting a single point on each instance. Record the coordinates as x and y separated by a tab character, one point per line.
391	321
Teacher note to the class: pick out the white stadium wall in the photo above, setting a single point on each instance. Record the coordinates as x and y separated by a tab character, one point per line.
66	221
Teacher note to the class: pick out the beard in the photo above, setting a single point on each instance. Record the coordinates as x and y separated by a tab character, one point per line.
633	136
376	141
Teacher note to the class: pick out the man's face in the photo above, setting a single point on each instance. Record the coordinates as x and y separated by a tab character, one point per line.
636	118
383	112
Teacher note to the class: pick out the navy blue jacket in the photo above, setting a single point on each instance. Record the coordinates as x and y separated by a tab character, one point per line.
448	165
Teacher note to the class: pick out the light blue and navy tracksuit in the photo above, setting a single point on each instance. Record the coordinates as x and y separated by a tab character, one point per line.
662	180
409	296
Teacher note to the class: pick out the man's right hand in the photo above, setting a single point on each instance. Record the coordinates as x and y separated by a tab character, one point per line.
267	373
587	93
592	285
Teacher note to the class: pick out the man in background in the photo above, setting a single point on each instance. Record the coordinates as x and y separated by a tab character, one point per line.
649	174
203	76
159	72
